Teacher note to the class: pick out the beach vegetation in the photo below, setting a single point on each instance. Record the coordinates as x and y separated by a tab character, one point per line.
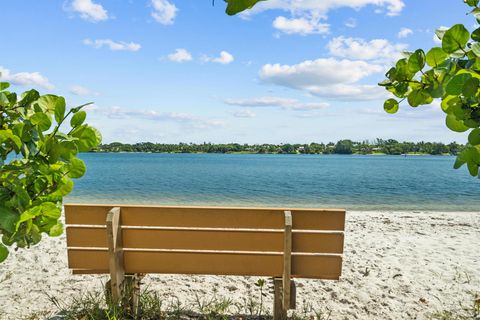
39	143
449	72
153	306
378	146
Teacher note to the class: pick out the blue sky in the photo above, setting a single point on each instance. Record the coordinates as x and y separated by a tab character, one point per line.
290	71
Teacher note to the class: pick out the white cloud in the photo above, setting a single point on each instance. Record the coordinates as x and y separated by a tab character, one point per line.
329	78
244	113
284	103
180	55
357	48
112	45
301	26
224	58
350	92
319	72
187	119
321	8
351	23
25	78
82	91
306	15
164	12
88	10
404	32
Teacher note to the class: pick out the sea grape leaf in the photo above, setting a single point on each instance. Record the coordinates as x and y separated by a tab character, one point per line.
77	168
416	62
456	84
56	230
78	118
41	120
436	56
455	38
391	106
4	85
3	252
454	124
474	137
60	109
236	6
8	219
419	97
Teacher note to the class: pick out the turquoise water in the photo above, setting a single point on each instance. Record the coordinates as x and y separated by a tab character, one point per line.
351	182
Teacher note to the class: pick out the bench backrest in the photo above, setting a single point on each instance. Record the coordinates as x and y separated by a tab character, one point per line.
207	240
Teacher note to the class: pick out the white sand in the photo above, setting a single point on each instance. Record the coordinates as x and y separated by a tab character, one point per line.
397	265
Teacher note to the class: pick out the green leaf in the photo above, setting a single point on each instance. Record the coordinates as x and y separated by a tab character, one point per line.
435	57
470	87
456	84
419	97
474	137
4	99
476	49
416	62
42	121
3	252
472	3
88	138
47	103
459	162
67	149
391	106
472	168
454	124
4	85
77	168
60	109
50	210
8	135
78	118
455	38
65	187
236	6
56	230
450	102
29	96
440	32
476	35
8	219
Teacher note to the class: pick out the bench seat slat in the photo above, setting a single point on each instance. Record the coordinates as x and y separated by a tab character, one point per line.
213	217
251	240
241	264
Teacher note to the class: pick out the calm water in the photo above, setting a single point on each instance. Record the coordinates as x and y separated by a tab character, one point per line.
352	182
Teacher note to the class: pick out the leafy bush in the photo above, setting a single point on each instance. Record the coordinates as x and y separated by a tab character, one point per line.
37	164
453	77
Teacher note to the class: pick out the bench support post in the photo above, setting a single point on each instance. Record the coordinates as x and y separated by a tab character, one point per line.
287	260
115	254
284	288
279	313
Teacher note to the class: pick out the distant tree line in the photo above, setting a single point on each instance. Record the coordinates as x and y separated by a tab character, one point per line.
379	146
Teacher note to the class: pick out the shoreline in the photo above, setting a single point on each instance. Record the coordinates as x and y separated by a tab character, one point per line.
397	265
142	202
275	153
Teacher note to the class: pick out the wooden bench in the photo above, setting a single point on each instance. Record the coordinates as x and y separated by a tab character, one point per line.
279	243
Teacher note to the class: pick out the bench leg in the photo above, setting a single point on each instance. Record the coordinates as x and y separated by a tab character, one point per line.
279	311
131	292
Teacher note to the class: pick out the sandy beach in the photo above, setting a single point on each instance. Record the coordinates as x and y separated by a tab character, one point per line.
397	265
